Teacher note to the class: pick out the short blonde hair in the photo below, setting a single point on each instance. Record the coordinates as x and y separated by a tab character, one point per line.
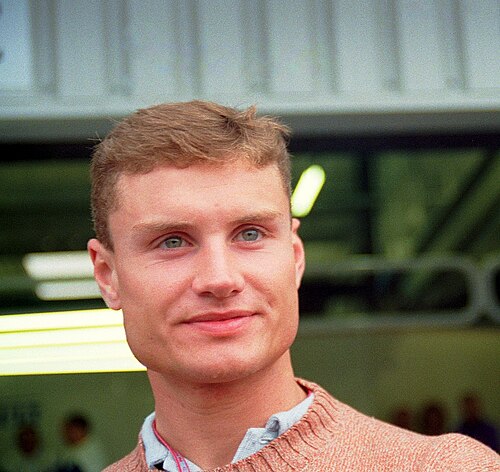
182	134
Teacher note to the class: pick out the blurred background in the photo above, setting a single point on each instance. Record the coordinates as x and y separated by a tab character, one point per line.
397	101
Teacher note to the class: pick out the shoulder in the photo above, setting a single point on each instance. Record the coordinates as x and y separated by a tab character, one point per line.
135	461
364	442
456	452
448	452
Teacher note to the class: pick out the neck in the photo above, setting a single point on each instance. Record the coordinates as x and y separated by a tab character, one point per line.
206	422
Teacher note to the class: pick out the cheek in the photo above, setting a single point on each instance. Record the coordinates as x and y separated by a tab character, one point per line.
278	283
150	286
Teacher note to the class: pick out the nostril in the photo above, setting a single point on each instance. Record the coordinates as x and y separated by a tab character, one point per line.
217	274
220	284
217	289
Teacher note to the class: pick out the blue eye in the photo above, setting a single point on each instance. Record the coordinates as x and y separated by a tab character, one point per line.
250	234
173	242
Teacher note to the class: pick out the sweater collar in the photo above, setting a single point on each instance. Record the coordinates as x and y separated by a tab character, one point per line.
309	435
255	439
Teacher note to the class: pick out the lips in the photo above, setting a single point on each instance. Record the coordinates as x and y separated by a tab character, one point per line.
220	324
219	316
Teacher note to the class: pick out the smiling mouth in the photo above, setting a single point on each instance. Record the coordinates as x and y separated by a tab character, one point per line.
219	316
220	324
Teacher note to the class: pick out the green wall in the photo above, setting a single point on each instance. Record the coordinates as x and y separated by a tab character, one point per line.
381	371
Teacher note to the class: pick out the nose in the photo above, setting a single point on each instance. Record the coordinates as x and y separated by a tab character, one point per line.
218	273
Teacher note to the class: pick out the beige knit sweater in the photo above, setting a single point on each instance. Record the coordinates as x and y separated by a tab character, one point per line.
333	437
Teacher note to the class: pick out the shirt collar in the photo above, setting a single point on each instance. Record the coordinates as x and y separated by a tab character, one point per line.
254	440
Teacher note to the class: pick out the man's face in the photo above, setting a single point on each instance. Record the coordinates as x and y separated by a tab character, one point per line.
206	266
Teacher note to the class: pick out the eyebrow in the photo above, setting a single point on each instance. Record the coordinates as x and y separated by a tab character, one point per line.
172	226
161	226
265	215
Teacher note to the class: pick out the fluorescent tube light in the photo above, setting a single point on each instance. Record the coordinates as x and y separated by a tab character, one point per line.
68	290
65	342
62	275
60	320
307	190
58	265
69	359
50	338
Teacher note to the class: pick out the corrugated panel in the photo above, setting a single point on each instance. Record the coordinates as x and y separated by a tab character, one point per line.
91	58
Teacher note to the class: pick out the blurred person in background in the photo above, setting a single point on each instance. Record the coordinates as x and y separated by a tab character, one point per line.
402	417
474	423
81	452
434	419
29	455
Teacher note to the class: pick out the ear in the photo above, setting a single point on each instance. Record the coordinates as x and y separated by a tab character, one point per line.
298	251
104	273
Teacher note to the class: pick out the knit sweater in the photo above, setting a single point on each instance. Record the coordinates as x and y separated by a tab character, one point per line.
333	437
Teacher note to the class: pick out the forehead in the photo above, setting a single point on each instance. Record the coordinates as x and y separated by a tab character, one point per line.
204	173
201	186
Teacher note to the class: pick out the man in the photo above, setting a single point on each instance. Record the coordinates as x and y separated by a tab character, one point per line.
82	452
196	244
474	424
28	454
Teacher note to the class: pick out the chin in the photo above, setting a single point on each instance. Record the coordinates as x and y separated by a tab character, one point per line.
224	373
